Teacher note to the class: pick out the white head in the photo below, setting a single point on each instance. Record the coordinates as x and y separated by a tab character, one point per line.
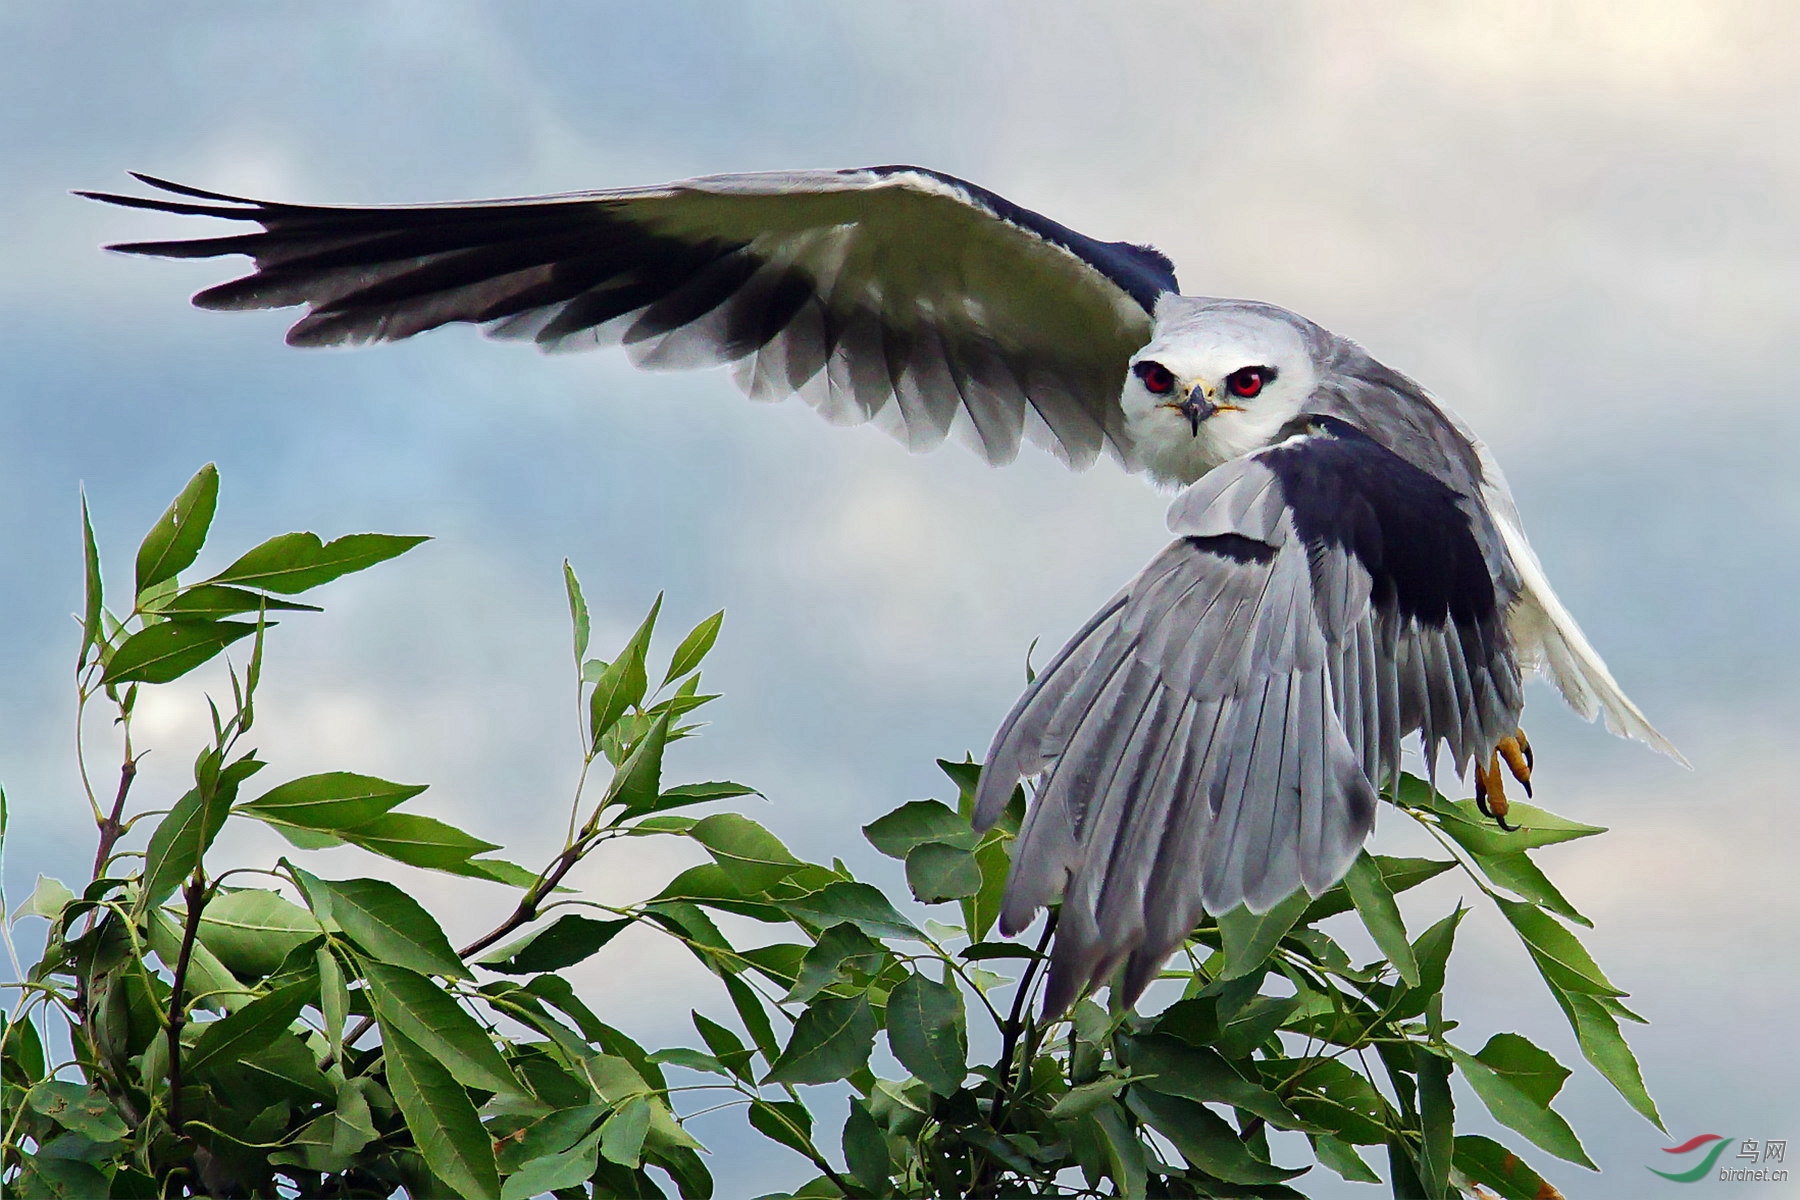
1217	380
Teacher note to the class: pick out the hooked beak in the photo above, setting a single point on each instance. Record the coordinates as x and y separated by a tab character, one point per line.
1196	407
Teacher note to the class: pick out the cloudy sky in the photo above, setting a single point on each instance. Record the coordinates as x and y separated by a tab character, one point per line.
1577	227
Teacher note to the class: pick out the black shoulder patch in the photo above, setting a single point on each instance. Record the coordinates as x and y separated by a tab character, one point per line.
1142	272
1405	527
1235	546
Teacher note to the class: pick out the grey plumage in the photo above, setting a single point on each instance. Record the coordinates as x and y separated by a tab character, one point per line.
1349	570
1294	684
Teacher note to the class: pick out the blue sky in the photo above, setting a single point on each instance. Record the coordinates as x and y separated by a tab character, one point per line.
1577	228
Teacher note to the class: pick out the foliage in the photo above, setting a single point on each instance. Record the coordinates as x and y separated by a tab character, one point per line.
194	1027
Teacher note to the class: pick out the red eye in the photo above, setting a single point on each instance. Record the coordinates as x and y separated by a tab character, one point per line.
1156	377
1247	381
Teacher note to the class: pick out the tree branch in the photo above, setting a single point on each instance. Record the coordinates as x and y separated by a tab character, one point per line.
113	826
196	902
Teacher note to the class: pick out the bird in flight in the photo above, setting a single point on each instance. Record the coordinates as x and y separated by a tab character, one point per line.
1348	569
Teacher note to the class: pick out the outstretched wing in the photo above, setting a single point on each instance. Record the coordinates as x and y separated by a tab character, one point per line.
1216	735
887	293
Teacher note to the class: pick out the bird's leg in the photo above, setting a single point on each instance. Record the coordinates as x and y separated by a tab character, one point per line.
1516	750
1490	786
1490	793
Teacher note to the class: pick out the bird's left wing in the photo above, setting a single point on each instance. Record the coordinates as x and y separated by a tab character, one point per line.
1216	734
889	293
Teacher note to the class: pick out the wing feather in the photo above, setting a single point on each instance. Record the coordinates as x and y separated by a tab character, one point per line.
1217	736
898	284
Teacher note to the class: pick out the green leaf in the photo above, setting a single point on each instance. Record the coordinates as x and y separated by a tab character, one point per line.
1530	1069
354	1124
77	1107
938	871
622	1135
783	1121
174	542
1124	1149
47	900
298	562
639	778
755	1018
1165	1064
832	1038
251	1027
1254	1023
981	910
497	870
417	841
1603	1045
206	601
42	1175
619	687
694	646
840	949
569	940
182	838
926	1030
552	1173
1560	957
209	984
92	593
1250	939
415	1006
701	793
692	1060
1437	1120
578	612
1342	1157
1329	1095
21	1051
754	858
1519	1111
858	903
1375	905
548	1135
1462	820
866	1149
386	922
170	649
334	998
1432	950
916	823
1084	1099
1400	874
1203	1138
442	1121
333	801
725	1045
1518	874
1492	1165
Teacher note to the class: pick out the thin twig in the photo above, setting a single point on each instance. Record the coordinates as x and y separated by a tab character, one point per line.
112	827
196	901
1003	1069
524	914
1010	1034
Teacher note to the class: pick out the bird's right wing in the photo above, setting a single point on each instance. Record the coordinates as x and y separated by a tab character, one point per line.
1216	734
892	294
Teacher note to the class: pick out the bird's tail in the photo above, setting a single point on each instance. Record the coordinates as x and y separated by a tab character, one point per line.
1548	639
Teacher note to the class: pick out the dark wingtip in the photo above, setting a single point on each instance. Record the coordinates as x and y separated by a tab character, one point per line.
182	189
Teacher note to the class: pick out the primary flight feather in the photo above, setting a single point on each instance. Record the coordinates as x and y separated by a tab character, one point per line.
1349	568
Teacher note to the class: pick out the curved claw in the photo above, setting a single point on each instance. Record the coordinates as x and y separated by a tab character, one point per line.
1516	750
1490	787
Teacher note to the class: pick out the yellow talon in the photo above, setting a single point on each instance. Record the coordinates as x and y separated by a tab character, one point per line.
1490	792
1516	750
